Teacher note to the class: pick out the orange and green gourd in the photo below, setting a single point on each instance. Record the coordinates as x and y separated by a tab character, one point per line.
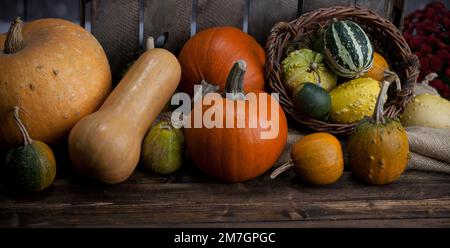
31	166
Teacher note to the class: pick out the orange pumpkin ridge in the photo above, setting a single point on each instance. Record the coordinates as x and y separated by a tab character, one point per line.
235	154
56	72
211	53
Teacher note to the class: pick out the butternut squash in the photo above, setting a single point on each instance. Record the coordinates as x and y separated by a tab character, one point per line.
106	145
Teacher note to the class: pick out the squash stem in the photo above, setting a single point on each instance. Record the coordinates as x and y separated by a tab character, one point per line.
315	69
234	89
26	137
150	43
283	168
14	40
379	110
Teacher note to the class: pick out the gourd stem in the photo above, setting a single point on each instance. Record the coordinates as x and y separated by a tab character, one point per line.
234	89
430	77
14	40
315	68
283	168
150	43
26	137
391	76
379	110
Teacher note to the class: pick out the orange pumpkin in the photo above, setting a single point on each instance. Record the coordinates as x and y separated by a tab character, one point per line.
236	154
378	147
56	72
210	54
380	66
317	159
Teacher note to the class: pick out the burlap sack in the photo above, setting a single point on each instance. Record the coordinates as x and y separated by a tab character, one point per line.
429	148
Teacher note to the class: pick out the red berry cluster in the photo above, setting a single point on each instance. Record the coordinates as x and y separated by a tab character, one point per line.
427	33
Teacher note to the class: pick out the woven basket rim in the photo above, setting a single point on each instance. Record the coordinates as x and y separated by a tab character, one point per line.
283	33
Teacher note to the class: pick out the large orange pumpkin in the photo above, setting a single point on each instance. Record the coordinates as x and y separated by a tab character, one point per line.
236	154
56	72
210	54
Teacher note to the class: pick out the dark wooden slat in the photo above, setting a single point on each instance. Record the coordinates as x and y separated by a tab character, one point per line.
398	13
11	9
381	7
172	16
265	13
212	13
115	23
147	200
309	5
65	9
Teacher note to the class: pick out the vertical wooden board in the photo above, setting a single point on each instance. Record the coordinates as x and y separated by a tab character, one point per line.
172	16
309	5
263	15
115	23
212	13
381	7
65	9
10	9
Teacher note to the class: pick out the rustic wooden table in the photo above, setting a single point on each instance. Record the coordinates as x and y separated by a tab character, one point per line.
190	199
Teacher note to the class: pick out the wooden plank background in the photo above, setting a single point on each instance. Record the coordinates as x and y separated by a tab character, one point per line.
121	26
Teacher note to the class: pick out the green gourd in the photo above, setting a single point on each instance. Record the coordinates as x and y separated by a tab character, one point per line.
311	100
347	49
31	166
162	149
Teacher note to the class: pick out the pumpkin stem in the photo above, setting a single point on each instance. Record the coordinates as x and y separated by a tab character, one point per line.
14	40
26	137
283	168
234	89
391	76
379	110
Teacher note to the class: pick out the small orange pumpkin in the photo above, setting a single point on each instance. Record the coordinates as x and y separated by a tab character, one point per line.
239	153
317	159
380	66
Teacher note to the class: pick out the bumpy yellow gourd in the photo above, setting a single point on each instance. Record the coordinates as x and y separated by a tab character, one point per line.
354	100
304	66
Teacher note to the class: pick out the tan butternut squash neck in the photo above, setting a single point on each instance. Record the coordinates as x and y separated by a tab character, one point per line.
14	40
23	130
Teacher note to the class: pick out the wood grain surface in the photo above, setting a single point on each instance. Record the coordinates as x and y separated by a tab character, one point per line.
190	199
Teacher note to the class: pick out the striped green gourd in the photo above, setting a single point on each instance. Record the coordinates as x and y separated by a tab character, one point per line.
348	50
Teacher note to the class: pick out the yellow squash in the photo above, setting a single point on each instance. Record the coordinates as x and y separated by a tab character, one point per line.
354	100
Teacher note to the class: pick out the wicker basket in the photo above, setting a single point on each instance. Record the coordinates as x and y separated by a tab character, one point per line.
386	39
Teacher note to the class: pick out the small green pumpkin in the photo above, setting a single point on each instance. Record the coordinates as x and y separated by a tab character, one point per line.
311	100
162	149
31	166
